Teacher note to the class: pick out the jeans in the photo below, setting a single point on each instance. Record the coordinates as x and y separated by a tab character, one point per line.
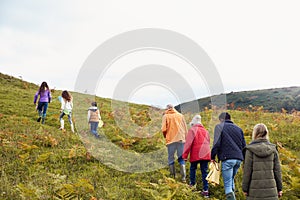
69	117
94	126
229	170
175	146
203	167
42	109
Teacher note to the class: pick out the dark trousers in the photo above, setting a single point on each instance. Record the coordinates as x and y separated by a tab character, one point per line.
203	168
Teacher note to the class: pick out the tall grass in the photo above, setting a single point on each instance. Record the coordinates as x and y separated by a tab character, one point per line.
41	162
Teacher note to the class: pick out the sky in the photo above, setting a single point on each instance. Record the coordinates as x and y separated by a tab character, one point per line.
253	44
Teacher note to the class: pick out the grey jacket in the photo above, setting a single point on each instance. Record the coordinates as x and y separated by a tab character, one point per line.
262	172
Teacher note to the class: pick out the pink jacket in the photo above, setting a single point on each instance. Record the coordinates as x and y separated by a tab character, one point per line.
197	144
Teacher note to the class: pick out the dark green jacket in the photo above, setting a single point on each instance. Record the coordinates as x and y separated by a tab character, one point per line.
262	173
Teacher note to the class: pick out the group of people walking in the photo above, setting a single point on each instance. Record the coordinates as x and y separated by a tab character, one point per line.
43	97
261	164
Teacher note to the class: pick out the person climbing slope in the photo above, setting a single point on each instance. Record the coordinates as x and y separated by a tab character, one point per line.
66	109
94	118
45	98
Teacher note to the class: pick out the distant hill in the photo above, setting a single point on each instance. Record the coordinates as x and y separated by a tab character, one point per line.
272	100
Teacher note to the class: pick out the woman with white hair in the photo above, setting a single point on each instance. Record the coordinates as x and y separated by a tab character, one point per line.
197	145
262	172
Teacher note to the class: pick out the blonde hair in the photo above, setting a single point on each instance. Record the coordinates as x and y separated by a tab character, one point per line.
260	131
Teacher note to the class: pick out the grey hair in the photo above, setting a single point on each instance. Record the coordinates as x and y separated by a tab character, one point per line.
196	120
169	106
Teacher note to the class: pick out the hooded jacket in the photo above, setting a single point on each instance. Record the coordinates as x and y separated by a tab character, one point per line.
174	126
93	114
262	172
197	144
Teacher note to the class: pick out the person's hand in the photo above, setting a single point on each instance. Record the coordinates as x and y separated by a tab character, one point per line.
246	193
280	194
165	134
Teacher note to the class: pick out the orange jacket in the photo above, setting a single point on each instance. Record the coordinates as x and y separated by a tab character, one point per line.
173	126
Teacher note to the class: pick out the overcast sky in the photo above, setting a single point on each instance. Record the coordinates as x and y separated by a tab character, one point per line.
253	44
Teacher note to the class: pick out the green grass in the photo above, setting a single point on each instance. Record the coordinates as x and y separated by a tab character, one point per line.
42	162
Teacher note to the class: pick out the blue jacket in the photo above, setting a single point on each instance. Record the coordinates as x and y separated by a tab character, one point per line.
229	142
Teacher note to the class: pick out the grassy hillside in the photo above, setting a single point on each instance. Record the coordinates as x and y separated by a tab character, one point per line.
273	100
42	162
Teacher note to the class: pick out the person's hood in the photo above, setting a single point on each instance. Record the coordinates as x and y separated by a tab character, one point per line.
93	108
261	147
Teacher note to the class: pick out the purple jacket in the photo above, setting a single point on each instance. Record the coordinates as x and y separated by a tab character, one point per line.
44	96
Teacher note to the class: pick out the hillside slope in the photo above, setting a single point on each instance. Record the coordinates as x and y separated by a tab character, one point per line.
41	162
272	100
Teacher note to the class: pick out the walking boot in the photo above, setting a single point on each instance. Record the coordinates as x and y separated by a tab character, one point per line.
43	120
183	173
72	128
62	124
172	170
230	196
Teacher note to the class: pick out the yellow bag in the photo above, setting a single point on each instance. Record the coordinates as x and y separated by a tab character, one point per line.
213	176
100	123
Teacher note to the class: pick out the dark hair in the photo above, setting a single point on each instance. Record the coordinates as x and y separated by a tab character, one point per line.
66	95
43	86
94	104
224	116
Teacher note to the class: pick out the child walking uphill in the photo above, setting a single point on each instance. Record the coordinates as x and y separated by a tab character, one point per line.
45	98
94	118
66	109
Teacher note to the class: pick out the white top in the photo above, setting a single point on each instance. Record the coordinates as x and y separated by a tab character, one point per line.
66	105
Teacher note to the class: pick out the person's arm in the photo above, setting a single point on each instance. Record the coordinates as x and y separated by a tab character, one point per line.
247	172
277	174
63	103
49	96
88	116
184	126
243	139
217	141
188	144
99	117
35	97
164	126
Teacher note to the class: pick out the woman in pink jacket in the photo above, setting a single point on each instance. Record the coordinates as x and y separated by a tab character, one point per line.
198	146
